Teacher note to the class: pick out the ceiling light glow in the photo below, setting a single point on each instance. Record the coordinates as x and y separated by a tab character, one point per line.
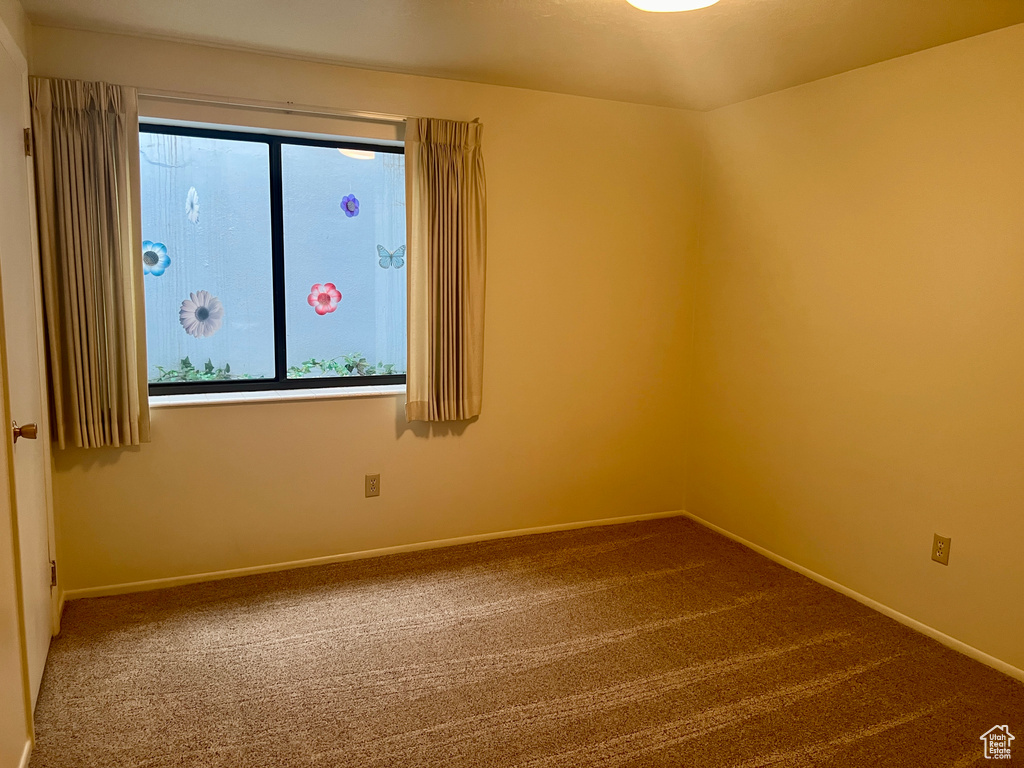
670	6
357	154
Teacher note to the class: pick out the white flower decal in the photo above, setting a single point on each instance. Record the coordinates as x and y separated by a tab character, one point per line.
192	205
201	314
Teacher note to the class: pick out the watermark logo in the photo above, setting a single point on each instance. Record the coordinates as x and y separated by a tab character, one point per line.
997	742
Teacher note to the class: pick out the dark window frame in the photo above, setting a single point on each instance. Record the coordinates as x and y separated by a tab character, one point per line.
280	380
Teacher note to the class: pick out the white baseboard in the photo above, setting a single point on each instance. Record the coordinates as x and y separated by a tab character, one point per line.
924	629
25	755
60	612
177	581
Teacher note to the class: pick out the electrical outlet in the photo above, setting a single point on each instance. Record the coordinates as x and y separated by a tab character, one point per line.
372	485
940	549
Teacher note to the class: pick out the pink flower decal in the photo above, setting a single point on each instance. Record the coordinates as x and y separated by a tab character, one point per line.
324	298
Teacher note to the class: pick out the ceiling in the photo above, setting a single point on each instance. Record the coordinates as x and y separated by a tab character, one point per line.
701	59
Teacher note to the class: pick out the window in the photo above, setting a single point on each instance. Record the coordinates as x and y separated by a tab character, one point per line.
271	262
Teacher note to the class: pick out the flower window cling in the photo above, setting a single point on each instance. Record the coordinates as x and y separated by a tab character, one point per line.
324	298
201	314
155	260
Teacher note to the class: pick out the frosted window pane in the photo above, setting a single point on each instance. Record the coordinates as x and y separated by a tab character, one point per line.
344	233
206	211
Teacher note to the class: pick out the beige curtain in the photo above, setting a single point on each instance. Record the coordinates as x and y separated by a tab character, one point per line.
447	249
86	152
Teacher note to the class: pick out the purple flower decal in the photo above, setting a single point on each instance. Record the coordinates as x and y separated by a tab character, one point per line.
350	205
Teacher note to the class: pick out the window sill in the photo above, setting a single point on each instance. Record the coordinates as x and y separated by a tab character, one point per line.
273	396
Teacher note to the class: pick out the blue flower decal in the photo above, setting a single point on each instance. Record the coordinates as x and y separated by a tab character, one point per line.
350	205
155	260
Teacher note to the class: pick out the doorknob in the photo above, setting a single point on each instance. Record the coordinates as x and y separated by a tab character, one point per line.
29	431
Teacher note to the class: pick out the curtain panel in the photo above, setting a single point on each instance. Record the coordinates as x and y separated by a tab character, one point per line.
86	154
447	253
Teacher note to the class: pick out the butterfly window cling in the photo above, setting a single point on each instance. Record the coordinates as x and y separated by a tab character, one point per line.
394	258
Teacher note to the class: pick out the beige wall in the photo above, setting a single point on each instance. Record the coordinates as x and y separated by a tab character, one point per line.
858	312
12	15
858	369
592	225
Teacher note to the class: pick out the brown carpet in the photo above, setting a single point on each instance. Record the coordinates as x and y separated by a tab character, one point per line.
650	644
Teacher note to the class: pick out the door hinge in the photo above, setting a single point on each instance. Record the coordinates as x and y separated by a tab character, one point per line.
28	142
53	573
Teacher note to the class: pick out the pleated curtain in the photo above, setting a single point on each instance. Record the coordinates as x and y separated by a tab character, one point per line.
86	154
447	254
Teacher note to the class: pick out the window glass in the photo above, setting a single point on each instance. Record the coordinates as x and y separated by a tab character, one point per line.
345	276
271	261
207	258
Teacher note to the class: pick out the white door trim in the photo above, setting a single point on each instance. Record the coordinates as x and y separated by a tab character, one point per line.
11	48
